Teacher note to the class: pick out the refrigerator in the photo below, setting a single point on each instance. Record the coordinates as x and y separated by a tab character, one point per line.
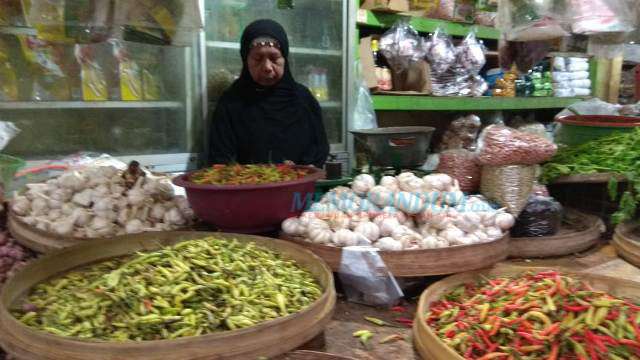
318	43
103	76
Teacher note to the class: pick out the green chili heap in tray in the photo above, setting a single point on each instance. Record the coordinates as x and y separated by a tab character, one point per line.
247	174
195	287
541	315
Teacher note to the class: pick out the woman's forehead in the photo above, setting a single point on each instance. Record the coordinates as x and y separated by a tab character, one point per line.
265	51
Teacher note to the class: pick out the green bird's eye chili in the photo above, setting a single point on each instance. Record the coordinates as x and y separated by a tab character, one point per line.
192	288
543	315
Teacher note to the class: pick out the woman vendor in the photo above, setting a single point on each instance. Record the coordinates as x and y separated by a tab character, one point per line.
266	116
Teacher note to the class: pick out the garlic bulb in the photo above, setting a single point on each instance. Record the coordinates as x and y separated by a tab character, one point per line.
82	216
429	242
391	211
317	224
408	203
64	227
391	183
339	221
21	205
344	237
357	219
493	233
453	235
157	211
293	226
381	196
134	226
320	235
174	217
54	215
306	218
368	230
388	225
388	244
362	184
505	221
410	183
72	180
39	207
83	198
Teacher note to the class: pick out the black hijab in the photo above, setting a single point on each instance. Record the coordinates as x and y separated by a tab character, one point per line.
254	124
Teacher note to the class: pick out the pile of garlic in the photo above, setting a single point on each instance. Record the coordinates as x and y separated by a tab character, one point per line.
404	212
94	202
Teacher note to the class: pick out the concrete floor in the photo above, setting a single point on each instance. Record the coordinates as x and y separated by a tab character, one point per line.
349	317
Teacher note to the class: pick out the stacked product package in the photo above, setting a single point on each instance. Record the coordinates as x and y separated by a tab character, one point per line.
571	76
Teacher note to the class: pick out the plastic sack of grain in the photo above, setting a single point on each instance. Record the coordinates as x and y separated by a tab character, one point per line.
509	186
501	145
461	165
542	216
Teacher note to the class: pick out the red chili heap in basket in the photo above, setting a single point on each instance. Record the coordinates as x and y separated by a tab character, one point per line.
247	174
541	315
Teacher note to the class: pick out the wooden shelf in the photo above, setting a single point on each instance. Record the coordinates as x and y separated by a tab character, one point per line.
47	105
386	20
432	103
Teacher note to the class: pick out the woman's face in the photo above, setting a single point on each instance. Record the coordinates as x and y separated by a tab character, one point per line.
266	65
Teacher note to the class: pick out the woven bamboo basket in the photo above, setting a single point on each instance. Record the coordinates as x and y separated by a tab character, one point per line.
267	339
579	232
430	262
430	347
626	240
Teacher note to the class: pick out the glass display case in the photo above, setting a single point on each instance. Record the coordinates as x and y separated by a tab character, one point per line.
317	49
72	84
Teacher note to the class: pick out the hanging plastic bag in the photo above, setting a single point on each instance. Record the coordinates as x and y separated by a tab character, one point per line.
471	53
366	279
501	145
524	20
364	116
461	134
50	82
71	21
542	216
601	16
92	75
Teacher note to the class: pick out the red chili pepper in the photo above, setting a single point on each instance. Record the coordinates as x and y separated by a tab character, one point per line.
551	330
636	330
628	342
530	338
596	341
485	338
405	321
495	326
555	349
575	308
399	309
560	286
468	354
613	314
450	334
607	339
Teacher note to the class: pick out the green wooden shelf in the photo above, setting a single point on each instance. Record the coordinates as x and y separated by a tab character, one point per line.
432	103
386	20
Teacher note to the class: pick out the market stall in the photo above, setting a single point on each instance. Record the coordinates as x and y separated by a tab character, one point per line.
398	179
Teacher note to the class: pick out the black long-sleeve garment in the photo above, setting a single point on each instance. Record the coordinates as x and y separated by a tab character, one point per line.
252	124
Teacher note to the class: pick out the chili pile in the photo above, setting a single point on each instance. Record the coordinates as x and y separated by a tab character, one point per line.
543	315
247	174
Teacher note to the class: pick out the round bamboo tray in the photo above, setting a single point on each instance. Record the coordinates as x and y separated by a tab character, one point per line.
579	232
430	347
268	339
45	242
430	262
626	240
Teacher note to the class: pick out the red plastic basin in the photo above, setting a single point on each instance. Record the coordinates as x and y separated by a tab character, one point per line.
250	209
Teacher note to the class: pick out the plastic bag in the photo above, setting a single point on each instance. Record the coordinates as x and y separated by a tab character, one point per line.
461	165
80	21
524	20
461	134
501	145
470	54
440	51
529	125
50	83
92	75
366	279
542	216
456	10
9	87
158	22
601	16
7	132
364	116
509	186
401	45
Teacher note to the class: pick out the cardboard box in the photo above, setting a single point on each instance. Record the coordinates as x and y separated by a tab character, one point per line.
385	5
416	79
